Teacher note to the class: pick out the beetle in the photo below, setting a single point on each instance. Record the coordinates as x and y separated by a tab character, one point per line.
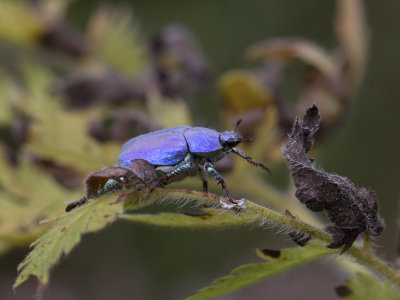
182	151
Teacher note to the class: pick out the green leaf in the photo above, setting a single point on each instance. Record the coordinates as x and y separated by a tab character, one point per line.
248	274
206	219
68	229
65	235
93	216
367	287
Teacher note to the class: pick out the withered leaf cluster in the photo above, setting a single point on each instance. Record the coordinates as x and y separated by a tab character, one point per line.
352	210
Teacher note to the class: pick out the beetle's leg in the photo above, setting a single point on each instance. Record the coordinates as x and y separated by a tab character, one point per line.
210	169
249	159
76	203
176	172
204	177
205	186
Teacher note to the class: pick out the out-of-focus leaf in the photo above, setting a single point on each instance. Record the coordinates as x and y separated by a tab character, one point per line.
167	112
3	247
61	135
367	287
27	195
293	48
205	219
18	23
251	273
115	39
5	100
54	8
352	33
242	90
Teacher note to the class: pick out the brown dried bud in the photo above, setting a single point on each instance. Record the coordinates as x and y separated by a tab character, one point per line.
120	125
109	88
179	63
352	210
60	37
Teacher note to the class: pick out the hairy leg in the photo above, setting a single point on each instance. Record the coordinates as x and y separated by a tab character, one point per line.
177	171
205	186
209	167
249	159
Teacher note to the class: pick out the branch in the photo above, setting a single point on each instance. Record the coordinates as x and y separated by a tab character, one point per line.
367	258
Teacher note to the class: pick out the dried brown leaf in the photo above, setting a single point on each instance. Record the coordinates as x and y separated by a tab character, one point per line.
352	210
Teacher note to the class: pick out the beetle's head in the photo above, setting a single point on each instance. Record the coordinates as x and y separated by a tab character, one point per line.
230	139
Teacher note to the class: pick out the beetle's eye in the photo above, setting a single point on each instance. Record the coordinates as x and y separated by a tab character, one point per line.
232	143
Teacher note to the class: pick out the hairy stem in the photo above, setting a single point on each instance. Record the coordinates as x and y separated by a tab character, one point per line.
367	258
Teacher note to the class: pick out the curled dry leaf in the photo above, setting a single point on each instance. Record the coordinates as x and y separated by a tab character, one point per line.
352	210
293	48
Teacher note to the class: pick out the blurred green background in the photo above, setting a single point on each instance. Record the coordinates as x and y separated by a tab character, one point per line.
133	261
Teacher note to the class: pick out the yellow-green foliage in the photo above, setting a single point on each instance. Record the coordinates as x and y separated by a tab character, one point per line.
23	202
65	234
115	39
12	12
251	273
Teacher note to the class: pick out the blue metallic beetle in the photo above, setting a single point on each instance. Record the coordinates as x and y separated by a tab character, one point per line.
182	151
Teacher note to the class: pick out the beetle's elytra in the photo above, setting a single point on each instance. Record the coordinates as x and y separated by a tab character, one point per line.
182	151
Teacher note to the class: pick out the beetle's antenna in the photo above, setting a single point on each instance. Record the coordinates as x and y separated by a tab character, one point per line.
237	124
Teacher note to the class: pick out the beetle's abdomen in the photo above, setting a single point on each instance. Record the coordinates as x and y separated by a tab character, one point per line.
202	141
164	147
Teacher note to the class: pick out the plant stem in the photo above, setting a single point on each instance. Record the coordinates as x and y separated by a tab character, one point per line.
376	263
263	214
